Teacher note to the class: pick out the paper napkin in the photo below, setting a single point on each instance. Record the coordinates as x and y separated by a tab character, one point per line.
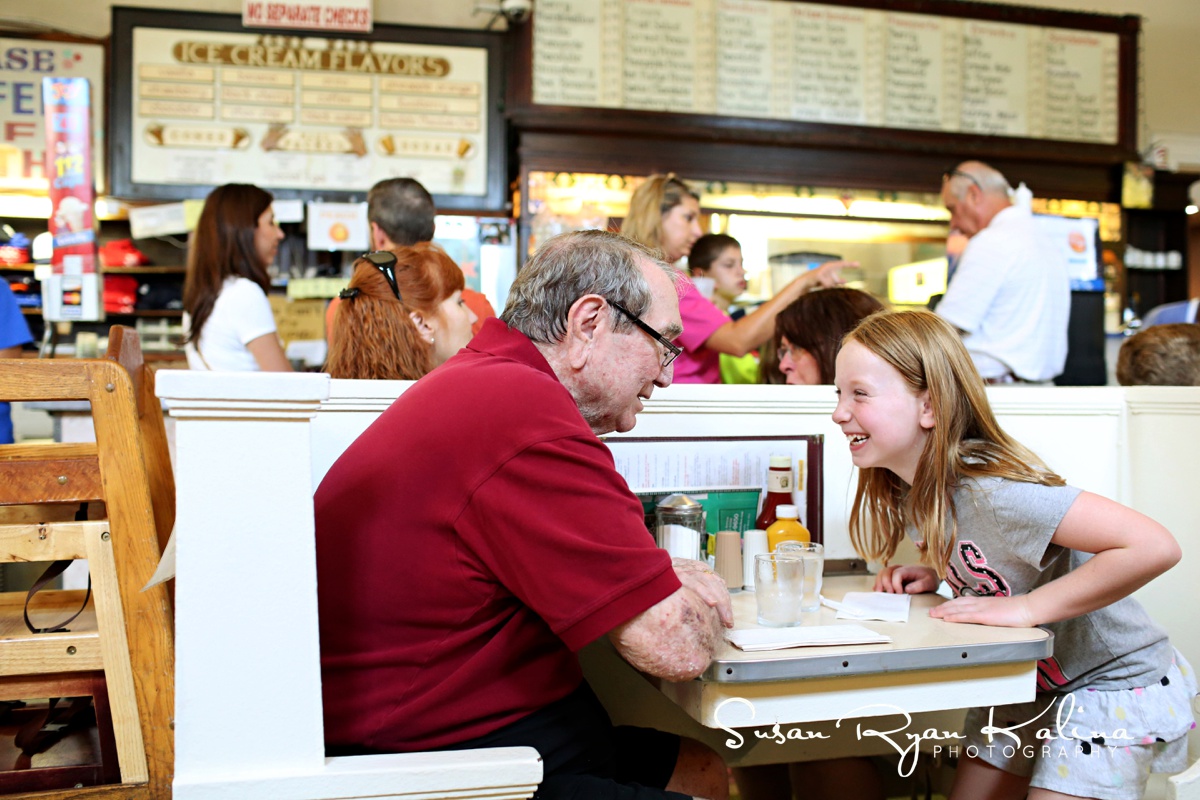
872	605
756	639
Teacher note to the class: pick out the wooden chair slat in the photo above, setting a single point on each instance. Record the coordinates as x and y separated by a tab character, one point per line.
52	541
125	632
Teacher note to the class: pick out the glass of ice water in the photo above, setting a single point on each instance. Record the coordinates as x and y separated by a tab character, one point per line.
778	588
813	556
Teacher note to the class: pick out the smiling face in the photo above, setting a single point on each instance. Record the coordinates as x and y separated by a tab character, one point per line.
267	235
885	422
799	365
451	327
727	273
628	364
680	229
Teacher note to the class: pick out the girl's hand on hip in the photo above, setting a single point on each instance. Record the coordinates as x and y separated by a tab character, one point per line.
912	579
1004	612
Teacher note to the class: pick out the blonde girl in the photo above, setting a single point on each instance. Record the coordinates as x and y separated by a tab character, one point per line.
664	214
1019	548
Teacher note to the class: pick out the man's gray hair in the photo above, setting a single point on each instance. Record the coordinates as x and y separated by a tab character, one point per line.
575	264
403	209
989	179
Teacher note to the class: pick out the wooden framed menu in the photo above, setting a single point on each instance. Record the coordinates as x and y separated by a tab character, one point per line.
770	68
199	101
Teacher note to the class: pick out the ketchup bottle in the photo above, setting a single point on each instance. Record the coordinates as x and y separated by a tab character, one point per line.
779	490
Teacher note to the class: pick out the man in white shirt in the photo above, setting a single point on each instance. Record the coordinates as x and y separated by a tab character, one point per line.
1011	294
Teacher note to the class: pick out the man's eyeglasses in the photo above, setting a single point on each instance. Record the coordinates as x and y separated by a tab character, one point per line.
671	352
950	174
385	262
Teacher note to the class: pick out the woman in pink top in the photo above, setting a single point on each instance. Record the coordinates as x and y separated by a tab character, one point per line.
664	213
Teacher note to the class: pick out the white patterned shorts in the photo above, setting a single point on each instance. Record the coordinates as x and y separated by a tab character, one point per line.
1101	744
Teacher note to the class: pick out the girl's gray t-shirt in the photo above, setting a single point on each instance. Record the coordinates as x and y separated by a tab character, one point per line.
1003	548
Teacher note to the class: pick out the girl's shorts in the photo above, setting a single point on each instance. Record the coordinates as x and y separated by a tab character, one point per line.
1090	743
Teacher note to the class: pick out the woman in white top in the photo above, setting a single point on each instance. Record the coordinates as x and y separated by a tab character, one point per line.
227	318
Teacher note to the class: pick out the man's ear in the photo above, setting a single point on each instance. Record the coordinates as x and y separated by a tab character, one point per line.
379	239
423	327
586	320
926	419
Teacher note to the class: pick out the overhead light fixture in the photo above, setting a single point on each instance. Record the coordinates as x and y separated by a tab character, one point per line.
1191	209
882	209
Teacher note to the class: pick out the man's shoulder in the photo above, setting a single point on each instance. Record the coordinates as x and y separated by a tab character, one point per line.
1008	223
489	390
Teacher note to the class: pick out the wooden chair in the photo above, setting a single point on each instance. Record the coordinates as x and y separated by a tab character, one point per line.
125	636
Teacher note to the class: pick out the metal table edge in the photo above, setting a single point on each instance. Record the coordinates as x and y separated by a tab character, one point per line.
875	662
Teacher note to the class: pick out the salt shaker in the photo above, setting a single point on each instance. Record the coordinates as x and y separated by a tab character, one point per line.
680	526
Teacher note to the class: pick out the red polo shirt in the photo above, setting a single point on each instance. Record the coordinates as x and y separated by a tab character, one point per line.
468	543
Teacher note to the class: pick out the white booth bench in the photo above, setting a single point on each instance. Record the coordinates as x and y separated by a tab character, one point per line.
252	447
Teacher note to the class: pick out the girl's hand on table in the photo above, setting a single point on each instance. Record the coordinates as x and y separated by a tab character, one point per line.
1005	612
913	579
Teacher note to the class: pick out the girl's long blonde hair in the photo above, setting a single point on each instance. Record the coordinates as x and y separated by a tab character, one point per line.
657	195
966	441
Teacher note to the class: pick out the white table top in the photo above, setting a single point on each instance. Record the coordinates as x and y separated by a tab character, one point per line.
929	665
920	643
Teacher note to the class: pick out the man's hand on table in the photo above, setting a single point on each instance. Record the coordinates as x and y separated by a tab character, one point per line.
677	637
696	575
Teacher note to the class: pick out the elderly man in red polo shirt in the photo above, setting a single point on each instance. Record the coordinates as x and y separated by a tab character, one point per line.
477	535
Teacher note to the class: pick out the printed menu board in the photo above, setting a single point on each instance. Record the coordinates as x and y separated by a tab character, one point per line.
306	113
824	63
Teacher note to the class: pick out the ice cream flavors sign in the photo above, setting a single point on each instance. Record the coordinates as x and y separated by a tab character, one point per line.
23	64
306	112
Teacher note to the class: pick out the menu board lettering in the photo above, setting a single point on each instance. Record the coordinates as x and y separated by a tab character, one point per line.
1081	69
826	63
659	50
743	65
995	71
566	59
913	82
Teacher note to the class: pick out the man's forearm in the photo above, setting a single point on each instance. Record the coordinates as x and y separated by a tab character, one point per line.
674	639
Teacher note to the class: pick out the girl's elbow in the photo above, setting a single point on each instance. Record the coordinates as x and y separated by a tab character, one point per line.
1168	553
1172	554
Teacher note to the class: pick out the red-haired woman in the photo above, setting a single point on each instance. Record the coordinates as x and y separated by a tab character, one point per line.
401	315
227	317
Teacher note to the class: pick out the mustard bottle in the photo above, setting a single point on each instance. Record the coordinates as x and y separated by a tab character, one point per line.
786	528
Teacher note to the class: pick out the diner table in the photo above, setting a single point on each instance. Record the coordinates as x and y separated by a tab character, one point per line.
929	665
816	698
